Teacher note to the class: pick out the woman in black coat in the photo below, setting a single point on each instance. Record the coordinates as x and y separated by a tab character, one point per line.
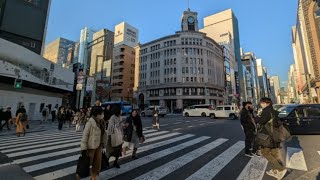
133	133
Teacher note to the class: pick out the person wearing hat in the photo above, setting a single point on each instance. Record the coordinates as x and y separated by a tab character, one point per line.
7	117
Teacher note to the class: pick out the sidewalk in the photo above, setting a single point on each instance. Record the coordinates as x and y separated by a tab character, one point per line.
34	126
13	172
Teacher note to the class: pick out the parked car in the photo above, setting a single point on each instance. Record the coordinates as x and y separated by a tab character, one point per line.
301	119
225	111
149	111
278	106
203	110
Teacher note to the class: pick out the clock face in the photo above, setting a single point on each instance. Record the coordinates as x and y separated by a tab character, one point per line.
190	19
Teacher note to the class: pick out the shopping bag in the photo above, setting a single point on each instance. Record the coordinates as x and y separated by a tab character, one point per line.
83	166
281	133
104	161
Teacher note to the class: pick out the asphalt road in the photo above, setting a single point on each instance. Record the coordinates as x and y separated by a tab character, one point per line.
183	148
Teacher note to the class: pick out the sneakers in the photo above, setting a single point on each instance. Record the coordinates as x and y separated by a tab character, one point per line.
249	154
276	173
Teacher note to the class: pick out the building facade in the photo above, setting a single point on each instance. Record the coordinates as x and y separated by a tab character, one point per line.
25	22
275	89
123	62
183	69
306	50
262	78
43	82
223	28
252	82
60	51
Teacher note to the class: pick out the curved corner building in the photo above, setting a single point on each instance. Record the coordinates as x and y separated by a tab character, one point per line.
179	70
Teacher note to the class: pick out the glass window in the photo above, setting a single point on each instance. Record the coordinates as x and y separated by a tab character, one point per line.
227	108
219	108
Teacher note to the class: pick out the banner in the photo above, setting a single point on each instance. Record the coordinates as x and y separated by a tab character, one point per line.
90	83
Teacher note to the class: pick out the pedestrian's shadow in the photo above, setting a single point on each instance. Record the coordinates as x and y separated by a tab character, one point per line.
293	142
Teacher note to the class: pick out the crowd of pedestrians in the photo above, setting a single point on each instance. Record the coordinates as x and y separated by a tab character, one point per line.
264	134
107	135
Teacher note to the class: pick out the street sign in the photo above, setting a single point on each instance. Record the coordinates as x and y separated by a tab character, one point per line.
80	77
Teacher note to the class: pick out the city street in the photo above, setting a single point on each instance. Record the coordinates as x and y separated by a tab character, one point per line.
183	148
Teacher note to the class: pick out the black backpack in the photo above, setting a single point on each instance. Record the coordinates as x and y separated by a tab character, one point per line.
44	112
24	118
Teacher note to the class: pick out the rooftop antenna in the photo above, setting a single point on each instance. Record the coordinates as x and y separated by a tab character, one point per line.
188	5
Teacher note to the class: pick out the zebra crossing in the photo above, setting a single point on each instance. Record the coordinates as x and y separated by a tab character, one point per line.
54	155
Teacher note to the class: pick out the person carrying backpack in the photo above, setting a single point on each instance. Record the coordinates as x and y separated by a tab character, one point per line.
21	122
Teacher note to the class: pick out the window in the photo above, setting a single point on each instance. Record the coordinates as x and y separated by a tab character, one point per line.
219	108
227	108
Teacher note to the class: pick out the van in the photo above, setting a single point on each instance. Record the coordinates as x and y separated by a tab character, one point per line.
225	111
203	110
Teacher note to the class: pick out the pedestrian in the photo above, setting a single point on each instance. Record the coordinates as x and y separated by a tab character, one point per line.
2	117
21	123
69	116
21	109
97	105
156	122
133	133
7	118
61	117
114	136
54	114
93	141
249	128
271	151
107	115
44	114
79	118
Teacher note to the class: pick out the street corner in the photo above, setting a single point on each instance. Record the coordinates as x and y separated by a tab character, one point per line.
13	172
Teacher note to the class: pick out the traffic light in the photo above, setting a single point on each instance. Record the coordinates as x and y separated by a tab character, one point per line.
18	83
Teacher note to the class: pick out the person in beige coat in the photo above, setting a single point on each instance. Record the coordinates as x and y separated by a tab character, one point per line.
93	141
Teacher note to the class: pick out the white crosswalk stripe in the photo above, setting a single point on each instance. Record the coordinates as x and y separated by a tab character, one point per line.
54	155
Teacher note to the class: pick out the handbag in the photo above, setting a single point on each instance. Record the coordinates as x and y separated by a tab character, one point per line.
116	136
104	161
83	166
263	139
281	133
27	126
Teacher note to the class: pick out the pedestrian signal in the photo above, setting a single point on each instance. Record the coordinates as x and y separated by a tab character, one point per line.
18	83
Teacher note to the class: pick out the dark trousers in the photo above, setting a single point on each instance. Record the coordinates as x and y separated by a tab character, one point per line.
250	139
6	122
53	117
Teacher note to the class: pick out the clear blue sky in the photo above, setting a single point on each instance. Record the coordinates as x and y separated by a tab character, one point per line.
265	26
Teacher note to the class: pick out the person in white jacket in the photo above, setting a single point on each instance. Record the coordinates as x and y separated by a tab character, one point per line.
115	136
93	141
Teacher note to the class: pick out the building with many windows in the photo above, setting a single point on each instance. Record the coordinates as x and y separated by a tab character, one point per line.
60	51
252	83
123	62
182	69
223	28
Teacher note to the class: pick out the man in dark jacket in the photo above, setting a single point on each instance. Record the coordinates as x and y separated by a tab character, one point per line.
247	122
7	117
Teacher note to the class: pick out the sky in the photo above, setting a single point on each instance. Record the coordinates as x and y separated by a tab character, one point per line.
265	26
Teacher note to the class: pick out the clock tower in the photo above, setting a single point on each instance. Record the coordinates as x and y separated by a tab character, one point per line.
189	21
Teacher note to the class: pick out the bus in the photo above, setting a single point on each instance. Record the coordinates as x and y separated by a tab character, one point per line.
126	107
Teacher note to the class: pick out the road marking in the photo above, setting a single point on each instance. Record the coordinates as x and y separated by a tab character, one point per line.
175	164
43	149
177	129
36	138
149	131
211	169
155	134
188	121
295	159
38	142
190	126
70	170
177	123
147	159
164	124
201	124
255	169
